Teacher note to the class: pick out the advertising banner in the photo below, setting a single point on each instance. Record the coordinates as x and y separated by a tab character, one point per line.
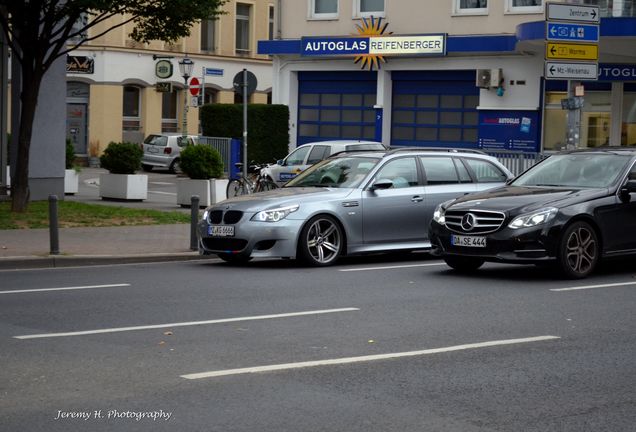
509	130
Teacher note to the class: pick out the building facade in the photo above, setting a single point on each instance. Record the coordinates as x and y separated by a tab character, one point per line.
454	73
119	89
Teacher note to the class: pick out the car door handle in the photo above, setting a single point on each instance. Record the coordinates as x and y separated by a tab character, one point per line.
417	198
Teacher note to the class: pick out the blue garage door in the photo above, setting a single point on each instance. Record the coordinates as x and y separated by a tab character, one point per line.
336	105
435	108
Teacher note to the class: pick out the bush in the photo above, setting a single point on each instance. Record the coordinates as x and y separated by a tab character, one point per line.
268	128
70	154
121	158
201	162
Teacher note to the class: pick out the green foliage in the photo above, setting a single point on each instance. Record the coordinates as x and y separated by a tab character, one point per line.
121	158
268	128
77	214
70	154
201	162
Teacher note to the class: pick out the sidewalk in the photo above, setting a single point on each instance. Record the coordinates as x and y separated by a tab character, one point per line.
30	248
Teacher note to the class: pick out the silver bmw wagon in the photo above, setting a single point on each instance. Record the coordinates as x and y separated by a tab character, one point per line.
348	204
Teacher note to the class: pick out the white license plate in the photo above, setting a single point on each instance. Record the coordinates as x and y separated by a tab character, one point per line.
221	230
468	241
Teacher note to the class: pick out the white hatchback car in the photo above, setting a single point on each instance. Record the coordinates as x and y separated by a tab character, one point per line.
308	154
163	150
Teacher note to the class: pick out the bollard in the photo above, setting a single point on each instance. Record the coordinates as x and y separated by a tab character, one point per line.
194	218
53	226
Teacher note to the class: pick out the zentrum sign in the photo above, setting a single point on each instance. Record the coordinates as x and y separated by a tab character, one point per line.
372	43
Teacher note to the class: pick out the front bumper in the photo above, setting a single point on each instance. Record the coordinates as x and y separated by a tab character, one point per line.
254	239
526	245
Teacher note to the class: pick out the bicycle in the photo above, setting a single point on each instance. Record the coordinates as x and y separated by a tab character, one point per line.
254	182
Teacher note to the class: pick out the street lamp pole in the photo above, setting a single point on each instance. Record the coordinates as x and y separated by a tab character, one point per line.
185	67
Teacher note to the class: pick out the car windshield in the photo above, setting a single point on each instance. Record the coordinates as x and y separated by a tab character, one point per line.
584	170
158	140
346	172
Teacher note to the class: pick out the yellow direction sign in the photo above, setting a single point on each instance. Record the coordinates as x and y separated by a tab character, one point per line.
571	51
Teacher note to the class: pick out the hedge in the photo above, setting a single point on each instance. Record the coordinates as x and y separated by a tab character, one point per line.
267	128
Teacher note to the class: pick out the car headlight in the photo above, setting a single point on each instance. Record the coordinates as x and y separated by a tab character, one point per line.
439	215
533	219
274	215
206	213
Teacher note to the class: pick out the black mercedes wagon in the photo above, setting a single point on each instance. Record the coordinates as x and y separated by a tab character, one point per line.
573	208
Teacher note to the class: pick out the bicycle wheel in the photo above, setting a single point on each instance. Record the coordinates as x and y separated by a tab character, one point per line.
236	188
265	185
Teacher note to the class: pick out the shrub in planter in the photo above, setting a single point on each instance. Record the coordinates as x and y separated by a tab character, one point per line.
121	158
70	154
201	162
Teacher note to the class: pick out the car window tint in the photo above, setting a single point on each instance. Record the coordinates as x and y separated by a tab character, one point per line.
181	142
485	171
318	153
402	172
439	170
464	176
632	173
297	157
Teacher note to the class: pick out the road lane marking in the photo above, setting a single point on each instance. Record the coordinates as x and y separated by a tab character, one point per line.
360	359
161	183
612	285
184	324
64	288
391	267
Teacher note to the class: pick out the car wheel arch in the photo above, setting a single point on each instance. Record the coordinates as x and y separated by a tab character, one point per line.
338	221
590	221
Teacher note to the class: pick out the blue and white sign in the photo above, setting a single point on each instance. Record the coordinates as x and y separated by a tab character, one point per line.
617	72
558	31
380	45
329	46
509	130
213	71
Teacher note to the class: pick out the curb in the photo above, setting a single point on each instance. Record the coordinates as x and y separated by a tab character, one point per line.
60	261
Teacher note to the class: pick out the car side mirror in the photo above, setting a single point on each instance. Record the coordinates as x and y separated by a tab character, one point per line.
280	162
382	184
628	188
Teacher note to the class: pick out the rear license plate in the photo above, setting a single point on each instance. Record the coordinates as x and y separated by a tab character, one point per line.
468	241
221	230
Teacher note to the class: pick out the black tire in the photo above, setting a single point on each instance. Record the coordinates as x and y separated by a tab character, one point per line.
321	241
146	168
463	264
175	168
235	188
578	251
234	258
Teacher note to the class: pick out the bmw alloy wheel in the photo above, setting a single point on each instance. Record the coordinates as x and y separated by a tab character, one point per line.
321	241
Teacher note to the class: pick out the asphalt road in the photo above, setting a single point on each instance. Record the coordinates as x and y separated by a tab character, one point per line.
373	344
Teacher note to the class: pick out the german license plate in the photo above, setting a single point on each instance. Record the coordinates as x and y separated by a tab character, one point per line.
221	230
468	241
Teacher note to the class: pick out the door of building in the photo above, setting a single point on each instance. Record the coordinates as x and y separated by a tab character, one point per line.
76	115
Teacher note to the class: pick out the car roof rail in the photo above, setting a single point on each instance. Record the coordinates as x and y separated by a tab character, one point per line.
397	149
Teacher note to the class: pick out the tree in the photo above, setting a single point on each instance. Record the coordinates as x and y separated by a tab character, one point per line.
41	31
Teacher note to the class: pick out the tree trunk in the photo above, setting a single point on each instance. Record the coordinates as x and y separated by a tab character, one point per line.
31	82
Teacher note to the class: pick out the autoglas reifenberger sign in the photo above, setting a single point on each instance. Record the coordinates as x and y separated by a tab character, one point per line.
372	44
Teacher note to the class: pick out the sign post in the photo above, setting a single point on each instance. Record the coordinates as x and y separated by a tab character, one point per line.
244	84
571	52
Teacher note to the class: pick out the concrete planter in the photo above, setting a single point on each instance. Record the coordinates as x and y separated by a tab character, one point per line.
209	191
71	182
132	187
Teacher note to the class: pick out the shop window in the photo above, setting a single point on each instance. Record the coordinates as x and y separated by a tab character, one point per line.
524	6
243	12
628	125
208	35
470	7
323	9
169	112
270	28
131	108
211	96
367	8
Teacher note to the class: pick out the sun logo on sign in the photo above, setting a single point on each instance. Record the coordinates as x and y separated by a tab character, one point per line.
371	27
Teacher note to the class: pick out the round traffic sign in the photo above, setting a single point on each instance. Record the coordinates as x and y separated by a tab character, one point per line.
195	86
239	86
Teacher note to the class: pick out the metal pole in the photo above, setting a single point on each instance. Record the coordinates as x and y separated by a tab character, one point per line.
244	122
194	218
53	226
185	108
